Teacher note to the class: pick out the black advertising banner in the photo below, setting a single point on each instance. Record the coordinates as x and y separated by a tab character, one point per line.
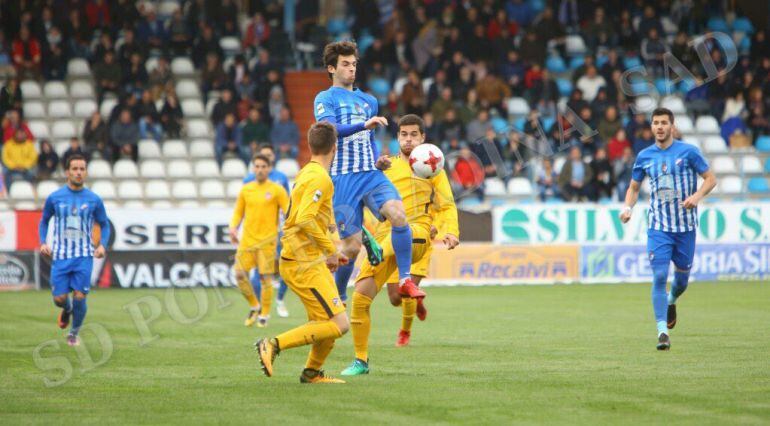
17	270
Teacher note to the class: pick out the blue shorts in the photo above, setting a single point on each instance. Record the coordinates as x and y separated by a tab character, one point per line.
71	274
664	247
352	191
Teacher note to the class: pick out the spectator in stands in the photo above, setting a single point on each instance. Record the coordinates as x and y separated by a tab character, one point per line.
96	136
440	106
54	58
431	129
650	21
636	125
451	127
75	148
609	124
213	76
623	169
488	150
576	103
547	179
590	83
532	49
6	58
129	47
108	76
513	71
245	88
257	33
27	55
105	44
696	98
171	115
735	106
437	86
12	123
492	91
470	108
599	32
124	14
515	154
477	129
758	113
617	145
652	50
10	96
124	136
412	90
284	135
226	17
255	131
47	161
160	78
225	105
19	158
43	23
628	39
228	139
468	174
642	141
149	118
178	34
261	71
205	45
78	33
575	177
135	77
603	178
276	103
98	14
152	32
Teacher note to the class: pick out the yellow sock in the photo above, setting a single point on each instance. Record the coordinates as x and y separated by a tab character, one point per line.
318	353
408	307
309	333
361	324
248	292
267	295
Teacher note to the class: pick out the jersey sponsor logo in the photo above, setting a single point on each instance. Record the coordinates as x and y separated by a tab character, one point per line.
84	206
358	109
317	195
336	301
678	161
319	109
268	195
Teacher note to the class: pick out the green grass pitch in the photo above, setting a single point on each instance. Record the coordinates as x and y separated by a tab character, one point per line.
488	355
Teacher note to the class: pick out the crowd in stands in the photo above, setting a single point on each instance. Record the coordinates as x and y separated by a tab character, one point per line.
457	64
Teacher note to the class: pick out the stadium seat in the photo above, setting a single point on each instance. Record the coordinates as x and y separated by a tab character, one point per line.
751	164
157	190
631	62
152	169
182	67
763	143
25	205
714	145
125	169
206	169
198	128
233	168
61	147
59	109
55	90
675	104
34	110
179	169
105	109
149	148
46	188
211	189
723	164
576	62
30	89
161	204
730	185
520	186
564	85
184	190
230	45
63	129
130	190
494	187
706	124
104	189
167	8
644	104
517	106
500	125
135	204
174	149
684	124
287	166
81	89
399	84
99	169
39	128
189	204
692	141
21	190
555	64
187	89
757	185
150	64
78	68
575	45
717	23
201	148
84	108
743	24
234	187
216	204
193	108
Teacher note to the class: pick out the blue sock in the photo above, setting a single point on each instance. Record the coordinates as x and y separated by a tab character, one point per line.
659	297
401	238
281	290
79	309
679	285
342	277
256	284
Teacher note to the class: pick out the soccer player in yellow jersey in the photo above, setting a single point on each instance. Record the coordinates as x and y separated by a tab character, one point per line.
258	207
308	259
423	199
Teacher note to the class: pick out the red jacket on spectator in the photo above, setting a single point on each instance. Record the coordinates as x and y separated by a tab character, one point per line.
98	13
533	75
32	47
256	34
468	173
9	131
494	29
615	148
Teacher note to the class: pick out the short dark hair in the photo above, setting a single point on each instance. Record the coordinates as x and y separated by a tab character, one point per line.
261	157
663	111
266	146
412	120
321	137
72	158
333	51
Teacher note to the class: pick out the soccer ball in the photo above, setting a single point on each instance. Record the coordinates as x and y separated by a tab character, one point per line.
426	160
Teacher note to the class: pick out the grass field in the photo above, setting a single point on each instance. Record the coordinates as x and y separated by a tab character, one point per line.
491	355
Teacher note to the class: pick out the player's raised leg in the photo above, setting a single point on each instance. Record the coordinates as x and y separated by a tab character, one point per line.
401	238
409	309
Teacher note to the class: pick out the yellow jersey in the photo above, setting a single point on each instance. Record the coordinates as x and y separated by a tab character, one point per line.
258	206
425	200
306	234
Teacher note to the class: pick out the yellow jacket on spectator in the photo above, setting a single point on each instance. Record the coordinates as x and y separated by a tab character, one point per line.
19	155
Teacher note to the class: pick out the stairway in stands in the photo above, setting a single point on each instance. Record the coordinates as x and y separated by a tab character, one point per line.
301	89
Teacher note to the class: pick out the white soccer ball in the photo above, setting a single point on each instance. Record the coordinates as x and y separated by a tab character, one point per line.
426	160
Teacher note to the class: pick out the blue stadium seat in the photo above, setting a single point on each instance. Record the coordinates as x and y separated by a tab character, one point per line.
500	125
758	185
717	23
686	85
364	42
468	202
763	143
553	200
394	147
631	62
745	45
767	166
519	123
380	87
565	86
537	6
576	62
743	25
601	60
548	122
555	64
336	26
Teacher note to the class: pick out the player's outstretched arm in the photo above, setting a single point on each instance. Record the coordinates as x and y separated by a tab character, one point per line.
709	183
632	196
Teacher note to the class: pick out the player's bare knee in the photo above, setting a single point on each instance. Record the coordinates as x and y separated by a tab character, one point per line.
395	213
241	275
393	295
60	300
352	245
342	322
78	295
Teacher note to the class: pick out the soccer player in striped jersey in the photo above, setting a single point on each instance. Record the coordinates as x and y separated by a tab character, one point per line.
357	170
673	168
74	210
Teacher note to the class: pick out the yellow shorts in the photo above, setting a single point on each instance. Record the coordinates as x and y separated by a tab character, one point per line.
387	270
262	258
314	284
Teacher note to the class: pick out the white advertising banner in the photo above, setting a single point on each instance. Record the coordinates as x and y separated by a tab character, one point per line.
173	229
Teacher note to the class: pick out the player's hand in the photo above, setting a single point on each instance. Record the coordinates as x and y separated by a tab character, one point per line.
45	250
451	241
100	252
233	236
383	163
625	216
691	202
333	261
433	232
376	122
331	227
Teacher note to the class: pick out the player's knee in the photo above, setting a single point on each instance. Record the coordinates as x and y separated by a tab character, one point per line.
241	275
78	295
393	295
351	247
60	300
342	322
659	275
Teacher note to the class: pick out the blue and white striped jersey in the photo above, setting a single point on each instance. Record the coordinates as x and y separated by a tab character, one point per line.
349	110
673	176
74	213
